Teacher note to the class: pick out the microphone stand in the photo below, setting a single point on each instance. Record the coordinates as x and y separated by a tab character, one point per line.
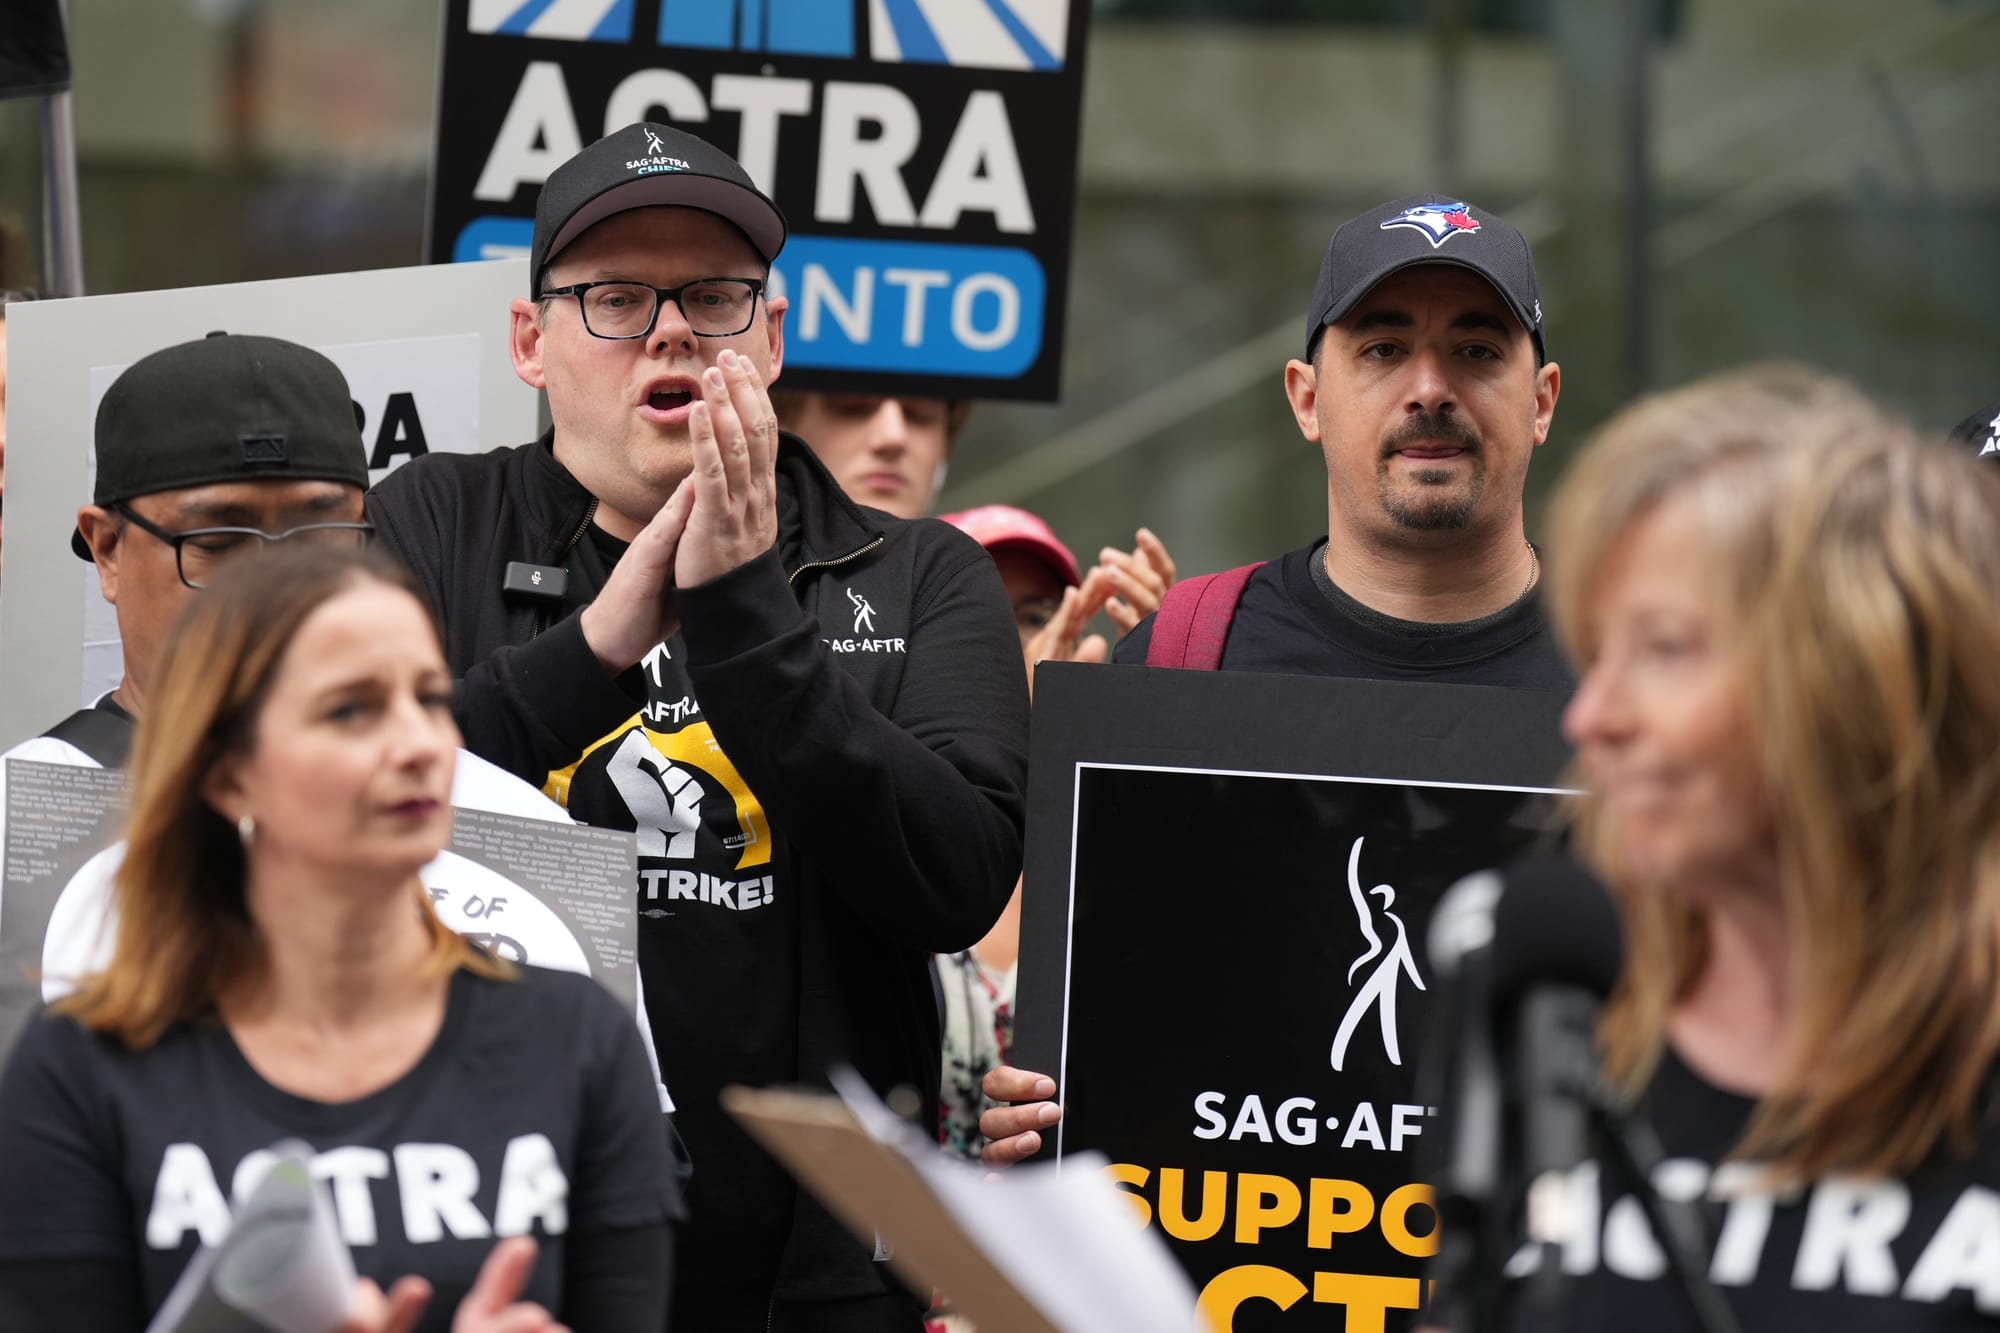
1469	1268
1632	1150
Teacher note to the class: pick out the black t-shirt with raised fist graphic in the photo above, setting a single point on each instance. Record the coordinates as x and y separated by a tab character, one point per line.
718	946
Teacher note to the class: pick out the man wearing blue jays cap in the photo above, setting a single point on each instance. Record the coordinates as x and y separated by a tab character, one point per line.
1426	384
667	614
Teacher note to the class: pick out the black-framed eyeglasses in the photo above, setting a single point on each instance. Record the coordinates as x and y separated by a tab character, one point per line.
712	307
200	552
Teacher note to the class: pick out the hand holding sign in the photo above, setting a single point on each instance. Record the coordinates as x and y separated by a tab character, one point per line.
735	434
1014	1131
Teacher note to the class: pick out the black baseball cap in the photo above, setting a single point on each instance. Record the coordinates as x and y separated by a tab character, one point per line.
1424	229
1980	432
642	166
228	407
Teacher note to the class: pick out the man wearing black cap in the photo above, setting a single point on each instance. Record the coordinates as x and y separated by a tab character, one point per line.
668	614
206	452
1427	387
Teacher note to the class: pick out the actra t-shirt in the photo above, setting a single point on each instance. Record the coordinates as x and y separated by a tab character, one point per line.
1841	1256
532	1112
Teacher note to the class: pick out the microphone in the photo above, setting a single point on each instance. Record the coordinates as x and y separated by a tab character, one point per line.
1526	958
1557	953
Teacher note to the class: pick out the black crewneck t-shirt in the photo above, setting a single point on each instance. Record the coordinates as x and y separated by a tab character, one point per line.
1838	1255
1294	620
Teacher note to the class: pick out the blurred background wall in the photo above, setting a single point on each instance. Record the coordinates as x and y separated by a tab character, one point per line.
1705	181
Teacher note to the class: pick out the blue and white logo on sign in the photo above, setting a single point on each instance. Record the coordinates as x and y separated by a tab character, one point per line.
984	34
557	20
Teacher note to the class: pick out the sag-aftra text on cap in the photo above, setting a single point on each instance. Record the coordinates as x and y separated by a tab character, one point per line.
644	166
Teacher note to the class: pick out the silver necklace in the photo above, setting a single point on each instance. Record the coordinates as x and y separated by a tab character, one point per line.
1534	572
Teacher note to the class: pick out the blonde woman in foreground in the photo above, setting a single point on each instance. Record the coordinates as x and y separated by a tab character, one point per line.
1786	613
490	1134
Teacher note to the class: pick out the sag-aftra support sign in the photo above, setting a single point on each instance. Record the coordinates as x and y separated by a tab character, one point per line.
924	152
1230	877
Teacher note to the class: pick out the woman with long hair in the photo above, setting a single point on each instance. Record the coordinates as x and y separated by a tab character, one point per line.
1786	612
490	1134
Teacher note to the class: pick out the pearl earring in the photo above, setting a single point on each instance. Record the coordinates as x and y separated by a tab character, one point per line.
246	829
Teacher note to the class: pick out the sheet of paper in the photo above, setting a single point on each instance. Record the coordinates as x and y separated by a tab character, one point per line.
1038	1249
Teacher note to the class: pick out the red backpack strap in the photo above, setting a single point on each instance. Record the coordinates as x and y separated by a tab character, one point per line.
1193	619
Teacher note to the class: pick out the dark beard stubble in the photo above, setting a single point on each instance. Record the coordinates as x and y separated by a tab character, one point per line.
1433	507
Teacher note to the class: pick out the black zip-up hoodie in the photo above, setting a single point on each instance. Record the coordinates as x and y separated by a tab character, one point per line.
894	781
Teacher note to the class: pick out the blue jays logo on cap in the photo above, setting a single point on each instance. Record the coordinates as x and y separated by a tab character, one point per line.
1438	222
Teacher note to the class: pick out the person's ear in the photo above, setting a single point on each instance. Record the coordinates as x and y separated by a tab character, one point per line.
1548	387
103	532
774	328
1302	391
223	789
525	341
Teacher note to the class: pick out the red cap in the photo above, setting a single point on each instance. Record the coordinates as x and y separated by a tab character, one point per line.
998	527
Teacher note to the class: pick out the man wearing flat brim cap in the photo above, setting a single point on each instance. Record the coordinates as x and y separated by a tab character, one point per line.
667	614
208	453
239	433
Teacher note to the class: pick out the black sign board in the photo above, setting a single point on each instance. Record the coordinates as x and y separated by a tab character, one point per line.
924	152
34	54
1229	882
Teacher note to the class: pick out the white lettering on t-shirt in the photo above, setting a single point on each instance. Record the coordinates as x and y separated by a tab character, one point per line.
1965	1252
532	1187
437	1182
700	886
348	1171
1629	1247
1844	1244
1849	1224
1739	1245
1580	1250
186	1198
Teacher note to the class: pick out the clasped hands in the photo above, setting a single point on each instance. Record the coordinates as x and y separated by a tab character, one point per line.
723	515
